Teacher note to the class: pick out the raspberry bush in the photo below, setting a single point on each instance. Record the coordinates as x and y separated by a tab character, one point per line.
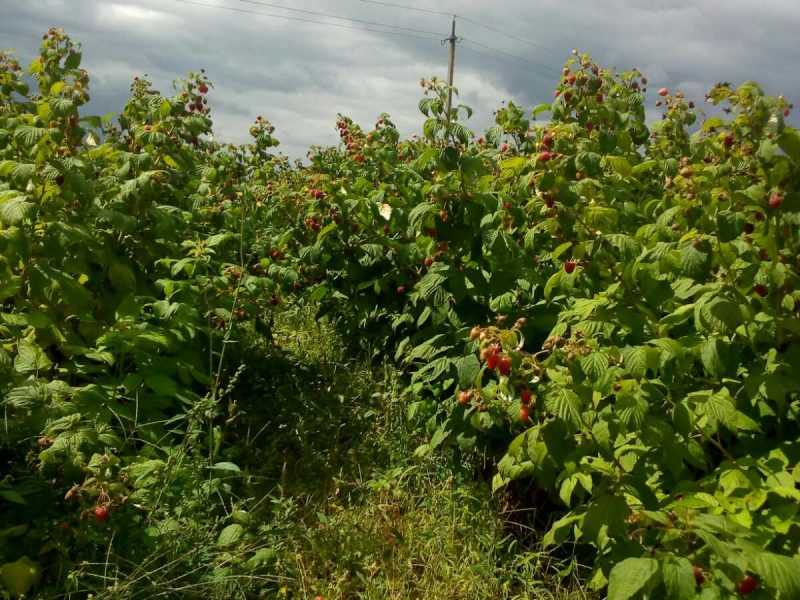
606	306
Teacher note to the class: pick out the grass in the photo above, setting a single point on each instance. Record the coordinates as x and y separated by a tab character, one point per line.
331	502
368	521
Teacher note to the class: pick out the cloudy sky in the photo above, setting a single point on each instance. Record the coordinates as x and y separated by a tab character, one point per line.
300	74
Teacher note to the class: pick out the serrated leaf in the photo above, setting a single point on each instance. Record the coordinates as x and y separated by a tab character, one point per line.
720	409
678	577
429	284
781	573
636	360
632	576
565	404
31	358
468	369
433	370
424	316
632	409
679	316
559	531
14	208
594	365
789	141
712	353
567	487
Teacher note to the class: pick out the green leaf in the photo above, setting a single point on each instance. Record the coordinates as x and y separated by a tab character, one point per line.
603	218
439	436
644	166
678	576
226	466
589	163
720	409
11	496
73	60
468	369
605	517
10	287
219	238
165	108
262	557
433	370
565	404
503	303
567	487
619	164
714	314
29	135
14	208
162	385
693	262
559	531
31	358
540	108
712	353
789	141
637	359
230	535
781	573
28	397
419	214
20	576
122	277
424	316
679	316
429	284
729	225
594	365
632	409
632	576
552	283
560	249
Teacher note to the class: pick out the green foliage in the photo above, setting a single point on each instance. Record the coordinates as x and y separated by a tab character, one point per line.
119	296
652	285
629	289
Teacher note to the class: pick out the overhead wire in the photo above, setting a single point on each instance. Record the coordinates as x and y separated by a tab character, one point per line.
302	19
541	66
369	26
340	18
406	7
471	21
503	32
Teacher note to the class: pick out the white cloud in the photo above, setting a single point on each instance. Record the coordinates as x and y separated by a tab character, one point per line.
125	14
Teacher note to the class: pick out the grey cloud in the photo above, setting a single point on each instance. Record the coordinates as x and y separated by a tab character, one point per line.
299	75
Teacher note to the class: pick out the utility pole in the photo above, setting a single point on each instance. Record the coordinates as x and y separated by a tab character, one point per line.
450	67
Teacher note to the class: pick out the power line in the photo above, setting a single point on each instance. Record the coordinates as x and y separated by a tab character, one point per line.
502	32
492	55
510	55
340	18
406	7
264	14
426	35
463	18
